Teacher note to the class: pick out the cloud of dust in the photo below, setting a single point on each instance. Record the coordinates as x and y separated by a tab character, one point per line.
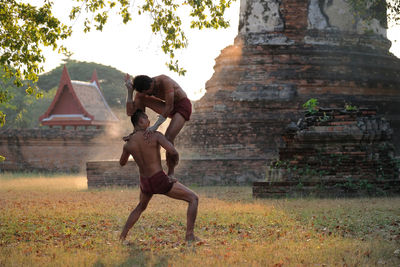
108	145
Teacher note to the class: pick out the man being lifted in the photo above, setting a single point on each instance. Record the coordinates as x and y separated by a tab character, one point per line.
146	152
163	95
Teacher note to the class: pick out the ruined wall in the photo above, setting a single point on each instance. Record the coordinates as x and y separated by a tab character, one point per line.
98	153
285	53
334	152
55	149
188	172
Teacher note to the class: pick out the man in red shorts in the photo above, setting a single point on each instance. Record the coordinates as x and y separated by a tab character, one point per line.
163	95
146	152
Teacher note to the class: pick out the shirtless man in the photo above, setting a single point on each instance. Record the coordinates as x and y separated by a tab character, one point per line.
164	96
146	153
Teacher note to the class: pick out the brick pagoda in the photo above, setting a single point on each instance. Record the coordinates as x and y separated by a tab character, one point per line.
286	52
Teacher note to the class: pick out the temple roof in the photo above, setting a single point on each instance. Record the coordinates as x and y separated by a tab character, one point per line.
93	101
78	103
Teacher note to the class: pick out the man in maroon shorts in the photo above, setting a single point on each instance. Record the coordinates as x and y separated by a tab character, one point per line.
146	152
163	95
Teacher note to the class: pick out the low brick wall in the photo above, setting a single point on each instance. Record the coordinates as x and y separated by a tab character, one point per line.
55	149
110	173
189	172
332	188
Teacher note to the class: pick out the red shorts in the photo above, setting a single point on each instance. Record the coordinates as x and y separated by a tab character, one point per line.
157	184
183	107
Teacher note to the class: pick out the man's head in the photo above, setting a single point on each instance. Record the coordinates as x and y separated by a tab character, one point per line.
142	83
140	120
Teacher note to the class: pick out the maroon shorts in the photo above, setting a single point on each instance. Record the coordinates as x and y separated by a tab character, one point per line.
157	184
183	107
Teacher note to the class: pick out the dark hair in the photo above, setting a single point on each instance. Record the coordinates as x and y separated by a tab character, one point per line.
142	83
136	116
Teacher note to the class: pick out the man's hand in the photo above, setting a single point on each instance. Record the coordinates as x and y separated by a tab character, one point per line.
126	138
172	179
128	82
157	124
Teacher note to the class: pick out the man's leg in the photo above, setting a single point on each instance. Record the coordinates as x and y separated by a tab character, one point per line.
181	192
175	126
135	214
154	103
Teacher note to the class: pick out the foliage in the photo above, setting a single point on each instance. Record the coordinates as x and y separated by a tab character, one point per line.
165	19
24	111
111	79
311	105
349	107
325	118
382	10
74	227
24	28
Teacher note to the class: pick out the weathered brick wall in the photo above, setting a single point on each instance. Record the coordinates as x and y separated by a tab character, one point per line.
55	149
261	81
332	188
338	144
189	172
334	152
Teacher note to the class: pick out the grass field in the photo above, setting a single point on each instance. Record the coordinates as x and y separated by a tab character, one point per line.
55	221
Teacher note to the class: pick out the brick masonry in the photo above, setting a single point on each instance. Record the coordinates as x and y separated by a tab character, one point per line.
261	81
334	152
55	149
259	85
97	153
189	172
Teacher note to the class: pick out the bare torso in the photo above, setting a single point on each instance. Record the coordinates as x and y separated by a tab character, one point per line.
164	85
145	152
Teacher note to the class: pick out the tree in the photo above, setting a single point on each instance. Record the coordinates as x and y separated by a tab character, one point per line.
383	10
25	28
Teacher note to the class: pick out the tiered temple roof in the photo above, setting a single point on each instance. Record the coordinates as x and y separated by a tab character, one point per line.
78	103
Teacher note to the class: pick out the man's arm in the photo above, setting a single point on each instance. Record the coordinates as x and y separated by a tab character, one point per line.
124	157
133	101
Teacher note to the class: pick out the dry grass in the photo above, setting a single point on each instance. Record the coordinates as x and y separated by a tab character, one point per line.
57	222
42	182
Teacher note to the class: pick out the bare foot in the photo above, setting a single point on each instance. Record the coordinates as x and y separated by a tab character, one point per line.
122	236
192	238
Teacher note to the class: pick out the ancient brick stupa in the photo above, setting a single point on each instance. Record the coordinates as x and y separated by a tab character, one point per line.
286	52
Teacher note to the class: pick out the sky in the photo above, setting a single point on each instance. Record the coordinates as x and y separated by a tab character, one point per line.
132	48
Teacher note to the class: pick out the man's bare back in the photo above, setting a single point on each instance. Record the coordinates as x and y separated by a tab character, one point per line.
145	150
165	85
